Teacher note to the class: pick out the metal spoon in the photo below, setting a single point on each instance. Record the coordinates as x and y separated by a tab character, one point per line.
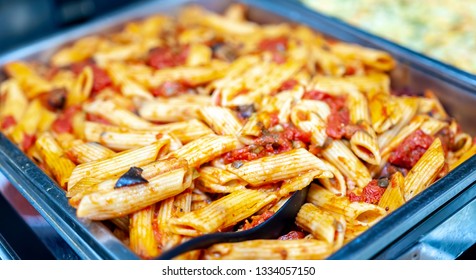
269	229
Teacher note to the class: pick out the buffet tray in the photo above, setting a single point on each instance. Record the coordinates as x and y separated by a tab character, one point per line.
93	240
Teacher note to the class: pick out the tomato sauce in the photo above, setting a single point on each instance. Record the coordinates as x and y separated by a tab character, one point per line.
269	143
28	141
257	220
292	235
273	119
8	121
101	79
166	57
370	193
98	119
350	70
339	119
64	122
411	149
277	46
288	84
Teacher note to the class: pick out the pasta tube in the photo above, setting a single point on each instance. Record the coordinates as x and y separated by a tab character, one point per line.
221	213
301	249
115	203
424	172
118	163
280	167
359	213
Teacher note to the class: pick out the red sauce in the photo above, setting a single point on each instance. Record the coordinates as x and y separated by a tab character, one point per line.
277	46
257	220
169	89
339	119
8	121
269	143
411	149
292	235
337	122
350	70
101	79
279	58
73	157
165	57
95	118
28	141
273	119
447	139
370	193
287	85
292	133
64	122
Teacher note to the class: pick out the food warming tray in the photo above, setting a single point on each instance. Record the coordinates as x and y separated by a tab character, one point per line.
93	240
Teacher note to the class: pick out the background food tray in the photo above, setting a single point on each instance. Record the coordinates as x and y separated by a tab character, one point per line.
92	240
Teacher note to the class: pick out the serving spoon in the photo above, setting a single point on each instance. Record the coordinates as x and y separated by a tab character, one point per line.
269	229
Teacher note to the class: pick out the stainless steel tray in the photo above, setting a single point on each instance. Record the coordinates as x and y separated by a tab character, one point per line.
92	240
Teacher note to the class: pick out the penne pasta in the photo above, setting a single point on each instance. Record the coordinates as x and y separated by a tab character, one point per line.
13	105
31	83
359	213
303	249
54	157
338	154
424	171
142	237
336	184
279	167
121	139
185	131
408	109
87	152
166	111
321	224
373	58
81	88
114	203
393	197
462	144
222	213
205	149
297	183
365	146
311	122
216	180
221	120
118	163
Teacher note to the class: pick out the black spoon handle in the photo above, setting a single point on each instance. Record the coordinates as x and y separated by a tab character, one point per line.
269	229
